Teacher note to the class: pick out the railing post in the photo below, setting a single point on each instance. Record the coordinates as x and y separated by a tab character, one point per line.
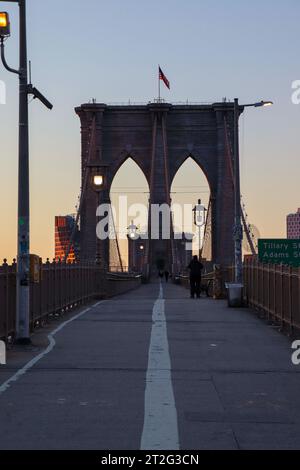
82	284
298	298
13	287
274	286
246	282
269	293
68	281
40	304
261	288
54	286
64	286
6	295
281	297
47	284
256	273
264	288
75	284
253	269
290	294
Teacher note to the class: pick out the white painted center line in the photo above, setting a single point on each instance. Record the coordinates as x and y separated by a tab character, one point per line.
160	429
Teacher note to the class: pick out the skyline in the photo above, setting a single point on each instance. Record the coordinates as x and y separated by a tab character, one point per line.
268	141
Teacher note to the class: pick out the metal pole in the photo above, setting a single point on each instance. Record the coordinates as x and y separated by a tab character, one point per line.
22	319
158	88
159	83
199	228
23	255
98	247
238	230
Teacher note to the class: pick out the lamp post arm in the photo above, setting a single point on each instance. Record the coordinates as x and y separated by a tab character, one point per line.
31	90
259	104
5	64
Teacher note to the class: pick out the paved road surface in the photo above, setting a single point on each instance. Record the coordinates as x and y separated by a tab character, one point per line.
155	369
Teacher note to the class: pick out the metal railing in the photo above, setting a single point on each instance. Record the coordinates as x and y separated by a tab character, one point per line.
61	288
154	101
7	299
274	290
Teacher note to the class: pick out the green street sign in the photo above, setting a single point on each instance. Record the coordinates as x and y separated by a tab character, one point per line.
279	251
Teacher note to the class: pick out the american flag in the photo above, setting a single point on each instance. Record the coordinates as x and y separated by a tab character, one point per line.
164	78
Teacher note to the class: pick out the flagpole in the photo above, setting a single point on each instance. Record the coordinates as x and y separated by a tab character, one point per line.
158	85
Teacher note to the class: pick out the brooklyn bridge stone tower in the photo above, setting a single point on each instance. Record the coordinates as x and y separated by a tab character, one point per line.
159	137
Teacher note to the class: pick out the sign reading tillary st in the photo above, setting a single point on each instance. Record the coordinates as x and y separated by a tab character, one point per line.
279	251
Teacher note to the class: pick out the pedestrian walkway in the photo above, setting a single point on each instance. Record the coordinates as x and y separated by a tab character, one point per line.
156	369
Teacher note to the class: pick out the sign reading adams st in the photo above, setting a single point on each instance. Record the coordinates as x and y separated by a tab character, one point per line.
279	251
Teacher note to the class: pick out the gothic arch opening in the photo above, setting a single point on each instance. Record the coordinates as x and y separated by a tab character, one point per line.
129	195
188	186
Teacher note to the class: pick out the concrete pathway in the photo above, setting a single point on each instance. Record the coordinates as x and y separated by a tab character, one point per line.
155	369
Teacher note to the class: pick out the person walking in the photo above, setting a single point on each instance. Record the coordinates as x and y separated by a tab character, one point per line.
167	275
195	268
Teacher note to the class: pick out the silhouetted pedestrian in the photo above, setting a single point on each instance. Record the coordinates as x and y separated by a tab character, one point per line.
195	268
167	275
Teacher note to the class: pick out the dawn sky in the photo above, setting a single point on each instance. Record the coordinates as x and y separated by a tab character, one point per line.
110	50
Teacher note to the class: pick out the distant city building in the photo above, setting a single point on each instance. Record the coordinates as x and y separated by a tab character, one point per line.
64	226
293	225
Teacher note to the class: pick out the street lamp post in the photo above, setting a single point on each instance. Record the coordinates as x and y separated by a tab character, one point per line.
199	220
238	228
23	257
23	267
97	180
132	235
